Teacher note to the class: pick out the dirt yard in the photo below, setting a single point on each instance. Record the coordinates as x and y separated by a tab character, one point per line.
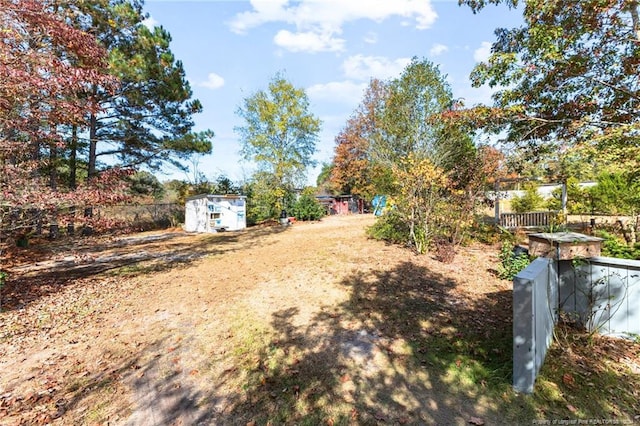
308	324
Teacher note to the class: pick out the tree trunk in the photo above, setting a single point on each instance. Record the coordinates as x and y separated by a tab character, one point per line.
73	155
53	171
93	142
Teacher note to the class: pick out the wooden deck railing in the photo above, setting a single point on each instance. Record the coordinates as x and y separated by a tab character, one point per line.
527	220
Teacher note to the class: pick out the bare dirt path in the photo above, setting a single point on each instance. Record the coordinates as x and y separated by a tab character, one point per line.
308	324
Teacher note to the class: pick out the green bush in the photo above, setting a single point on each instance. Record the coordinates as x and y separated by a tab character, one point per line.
613	246
510	262
390	227
307	207
577	198
616	193
486	233
530	201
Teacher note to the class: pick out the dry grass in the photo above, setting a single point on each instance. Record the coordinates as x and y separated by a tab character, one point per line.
312	324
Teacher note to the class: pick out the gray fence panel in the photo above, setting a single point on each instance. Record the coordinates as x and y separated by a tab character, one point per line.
602	293
533	320
568	297
614	286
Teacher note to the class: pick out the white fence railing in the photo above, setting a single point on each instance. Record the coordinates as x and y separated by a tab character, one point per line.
527	220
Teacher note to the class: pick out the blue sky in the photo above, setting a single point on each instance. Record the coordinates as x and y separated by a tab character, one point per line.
331	48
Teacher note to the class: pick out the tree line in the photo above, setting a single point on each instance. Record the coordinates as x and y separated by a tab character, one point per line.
86	81
88	94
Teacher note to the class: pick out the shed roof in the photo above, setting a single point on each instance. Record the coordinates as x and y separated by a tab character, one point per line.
228	196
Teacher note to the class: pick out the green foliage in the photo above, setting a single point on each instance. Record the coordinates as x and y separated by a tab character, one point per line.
486	233
324	176
616	193
556	224
307	207
510	262
391	227
577	198
279	133
149	119
143	183
266	198
402	125
530	201
568	75
613	246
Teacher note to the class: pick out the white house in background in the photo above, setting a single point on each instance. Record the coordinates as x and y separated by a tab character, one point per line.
213	213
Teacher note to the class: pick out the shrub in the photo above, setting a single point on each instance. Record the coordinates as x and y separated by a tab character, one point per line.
445	250
613	246
577	198
511	261
390	227
530	201
307	207
486	233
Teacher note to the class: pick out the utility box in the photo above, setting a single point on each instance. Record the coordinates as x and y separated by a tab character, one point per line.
564	245
214	213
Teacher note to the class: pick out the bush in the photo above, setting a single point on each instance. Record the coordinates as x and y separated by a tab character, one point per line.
307	207
577	198
390	227
486	233
511	261
613	246
531	201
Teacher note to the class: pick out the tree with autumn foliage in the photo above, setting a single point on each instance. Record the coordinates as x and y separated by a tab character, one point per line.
46	70
432	171
353	170
568	79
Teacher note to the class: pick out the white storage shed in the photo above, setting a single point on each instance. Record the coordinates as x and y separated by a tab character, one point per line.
213	213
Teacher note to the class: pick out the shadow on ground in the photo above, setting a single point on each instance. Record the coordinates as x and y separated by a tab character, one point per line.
407	348
130	256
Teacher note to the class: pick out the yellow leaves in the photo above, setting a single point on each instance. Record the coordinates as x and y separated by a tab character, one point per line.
415	175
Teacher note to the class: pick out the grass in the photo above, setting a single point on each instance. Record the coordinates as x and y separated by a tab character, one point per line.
588	377
401	344
287	379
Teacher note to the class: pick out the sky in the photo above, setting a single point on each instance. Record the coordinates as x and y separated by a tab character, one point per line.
230	49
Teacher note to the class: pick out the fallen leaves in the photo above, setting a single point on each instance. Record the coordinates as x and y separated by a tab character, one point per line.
476	421
568	379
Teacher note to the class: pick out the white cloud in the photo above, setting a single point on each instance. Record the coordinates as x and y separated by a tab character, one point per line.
214	81
325	18
150	22
360	67
263	11
338	91
438	49
308	42
371	38
482	53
